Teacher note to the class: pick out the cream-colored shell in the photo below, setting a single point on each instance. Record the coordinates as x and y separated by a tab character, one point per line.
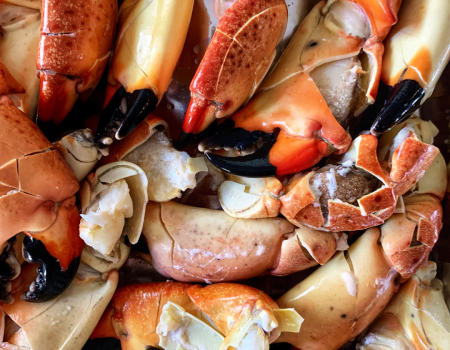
18	49
419	42
150	39
341	298
67	322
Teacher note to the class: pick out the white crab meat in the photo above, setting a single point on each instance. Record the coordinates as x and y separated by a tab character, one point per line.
169	172
102	225
178	329
338	82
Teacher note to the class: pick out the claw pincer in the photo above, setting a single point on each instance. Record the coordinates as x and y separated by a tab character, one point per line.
150	39
328	73
38	197
417	51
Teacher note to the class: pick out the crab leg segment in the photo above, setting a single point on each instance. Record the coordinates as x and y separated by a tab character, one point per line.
329	71
417	51
238	58
150	39
37	197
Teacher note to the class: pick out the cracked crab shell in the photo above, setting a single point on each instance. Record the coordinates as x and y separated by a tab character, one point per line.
408	238
150	38
33	176
246	198
72	53
300	204
340	299
66	322
203	245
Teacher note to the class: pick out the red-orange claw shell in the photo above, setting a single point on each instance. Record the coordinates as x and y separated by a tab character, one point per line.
409	163
135	310
75	43
237	59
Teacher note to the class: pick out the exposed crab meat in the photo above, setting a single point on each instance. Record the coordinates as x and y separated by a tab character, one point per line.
103	222
169	172
339	84
113	204
351	196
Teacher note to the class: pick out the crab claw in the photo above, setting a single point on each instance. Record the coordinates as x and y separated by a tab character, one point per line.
416	53
57	250
236	61
123	114
404	100
150	39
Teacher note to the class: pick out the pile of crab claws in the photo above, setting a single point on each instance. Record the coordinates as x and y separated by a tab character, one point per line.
52	280
256	164
124	112
403	101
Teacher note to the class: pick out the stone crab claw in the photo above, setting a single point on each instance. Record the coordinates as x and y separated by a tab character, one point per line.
235	63
113	201
72	54
38	197
65	322
417	51
416	318
203	245
329	72
218	317
149	42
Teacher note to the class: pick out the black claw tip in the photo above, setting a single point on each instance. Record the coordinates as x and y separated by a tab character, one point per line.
140	103
51	280
102	344
253	165
403	101
123	114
